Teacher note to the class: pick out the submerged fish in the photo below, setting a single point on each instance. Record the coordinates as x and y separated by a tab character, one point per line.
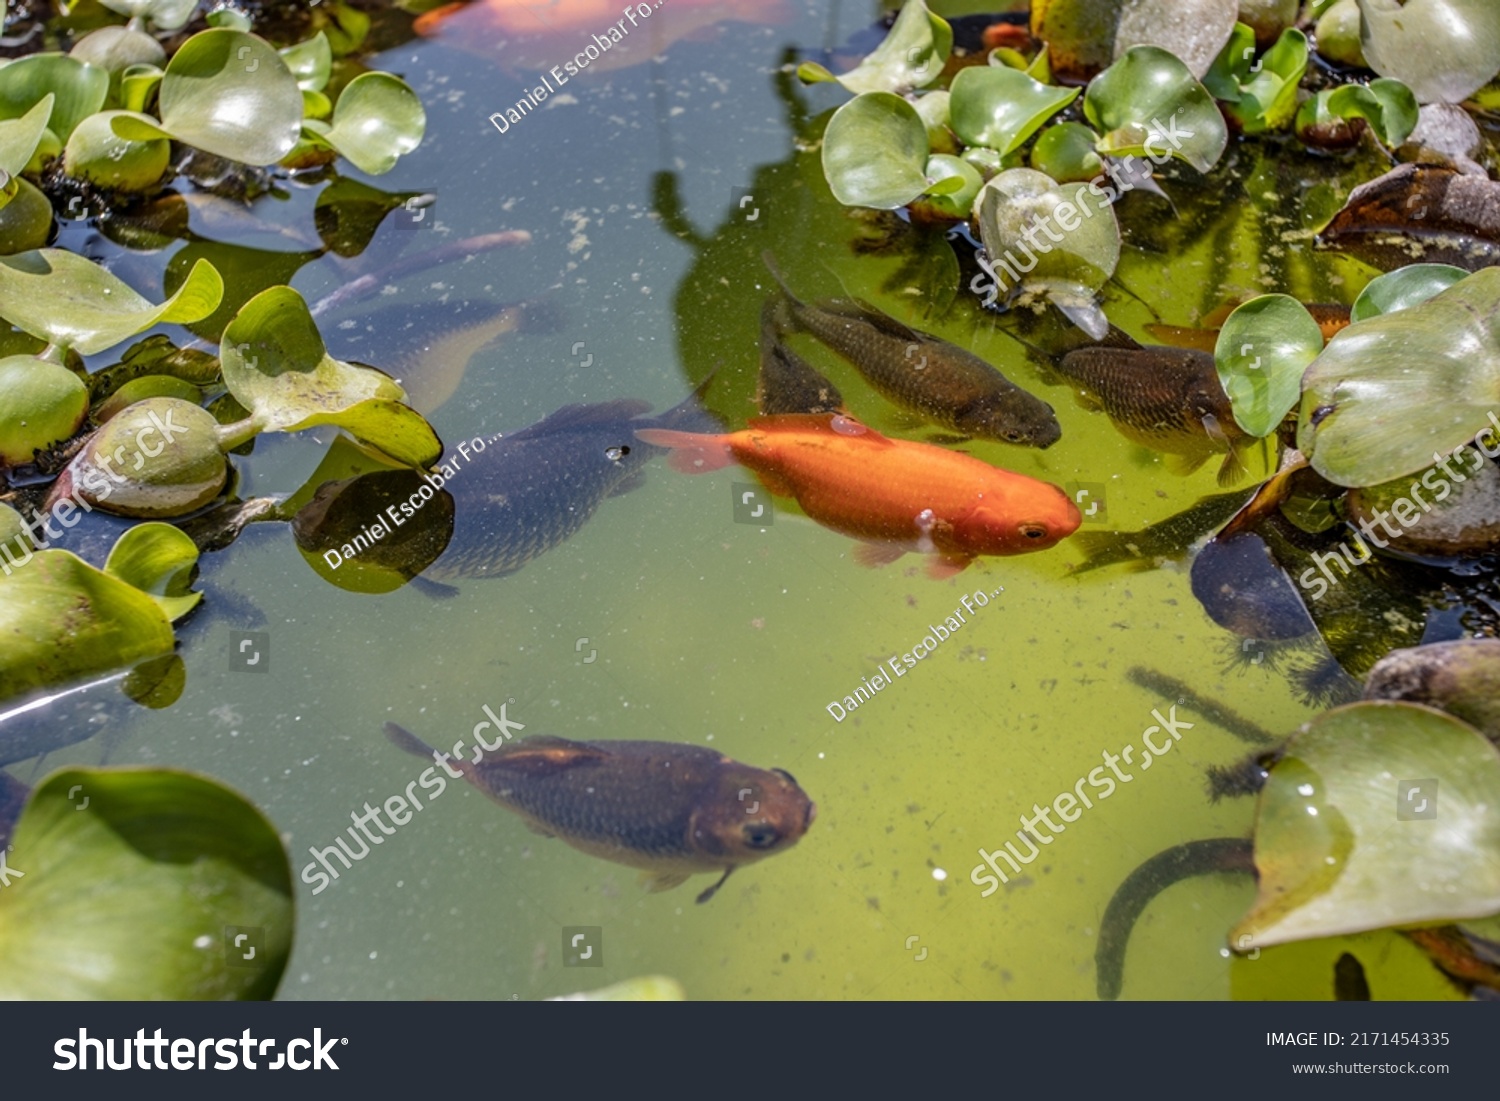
1331	319
1167	399
896	495
527	492
670	810
945	383
788	383
1168	540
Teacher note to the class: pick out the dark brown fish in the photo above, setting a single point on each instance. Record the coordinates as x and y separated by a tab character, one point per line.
943	382
1167	399
670	810
521	494
788	383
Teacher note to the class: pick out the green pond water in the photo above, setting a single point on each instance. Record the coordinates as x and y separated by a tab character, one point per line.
714	632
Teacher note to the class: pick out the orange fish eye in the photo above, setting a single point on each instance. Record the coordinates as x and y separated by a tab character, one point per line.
1034	531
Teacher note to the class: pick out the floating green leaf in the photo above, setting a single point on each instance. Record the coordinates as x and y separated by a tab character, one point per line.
159	560
912	55
1404	288
874	152
276	366
1389	393
1263	348
78	89
43	403
64	299
1443	50
1085	36
26	220
1016	212
1376	815
102	155
133	884
1148	102
1262	96
227	93
954	184
166	14
310	62
1388	106
115	49
20	137
1000	107
376	120
1066	153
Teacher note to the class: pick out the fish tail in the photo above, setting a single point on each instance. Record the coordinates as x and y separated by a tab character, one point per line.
689	415
404	739
692	452
770	262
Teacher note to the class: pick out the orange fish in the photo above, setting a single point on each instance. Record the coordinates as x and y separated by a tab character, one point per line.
896	495
1331	319
535	35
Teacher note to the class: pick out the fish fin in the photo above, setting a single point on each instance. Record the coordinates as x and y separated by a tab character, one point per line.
633	481
428	22
1233	468
857	309
1183	465
539	831
839	423
404	739
708	894
578	416
692	452
663	881
874	555
689	415
543	754
948	439
770	262
940	567
434	589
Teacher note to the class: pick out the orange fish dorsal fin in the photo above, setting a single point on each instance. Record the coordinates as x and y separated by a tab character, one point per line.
543	754
837	424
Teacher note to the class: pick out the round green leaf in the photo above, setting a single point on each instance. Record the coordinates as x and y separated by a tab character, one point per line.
78	89
1148	102
136	85
100	154
376	120
20	137
134	883
1404	288
1377	815
1389	393
1443	50
874	152
1263	348
276	366
954	184
26	220
1268	99
159	560
1001	107
64	299
933	109
1387	105
1057	239
166	14
115	49
310	62
911	56
41	404
1066	153
229	93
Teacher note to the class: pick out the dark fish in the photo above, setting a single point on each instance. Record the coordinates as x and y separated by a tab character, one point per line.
13	795
1211	709
670	810
1349	982
945	383
1166	399
1167	540
788	383
527	492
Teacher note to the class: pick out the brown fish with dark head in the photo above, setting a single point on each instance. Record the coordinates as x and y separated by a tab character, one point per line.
943	382
670	810
1167	399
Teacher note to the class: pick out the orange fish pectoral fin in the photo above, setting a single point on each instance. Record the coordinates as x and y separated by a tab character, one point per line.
940	567
541	755
427	23
874	555
692	452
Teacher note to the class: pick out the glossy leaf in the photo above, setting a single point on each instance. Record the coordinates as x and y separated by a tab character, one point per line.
1388	106
310	62
135	882
1000	108
26	220
20	137
166	14
1066	153
1404	288
1263	348
911	56
1259	95
954	185
43	404
874	152
1389	393
64	299
116	48
376	120
1085	36
158	559
1148	102
78	89
1376	815
276	366
1443	50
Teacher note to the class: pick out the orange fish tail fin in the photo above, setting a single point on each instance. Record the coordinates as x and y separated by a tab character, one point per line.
427	23
692	453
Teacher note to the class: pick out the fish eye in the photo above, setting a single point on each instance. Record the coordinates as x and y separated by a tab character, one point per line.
761	835
1013	437
785	774
615	454
1034	531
